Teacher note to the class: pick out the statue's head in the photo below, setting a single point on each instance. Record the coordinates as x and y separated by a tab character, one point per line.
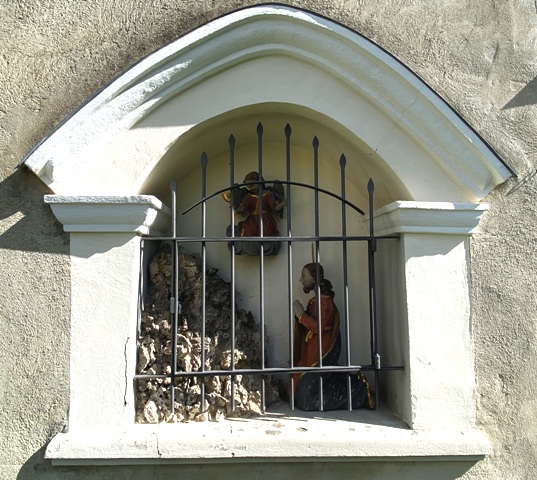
308	279
252	177
309	276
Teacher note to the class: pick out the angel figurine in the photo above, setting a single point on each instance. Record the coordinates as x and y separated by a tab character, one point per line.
246	203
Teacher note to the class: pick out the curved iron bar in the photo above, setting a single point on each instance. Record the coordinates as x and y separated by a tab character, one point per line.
298	184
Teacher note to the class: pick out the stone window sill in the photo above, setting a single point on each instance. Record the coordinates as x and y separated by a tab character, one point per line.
278	436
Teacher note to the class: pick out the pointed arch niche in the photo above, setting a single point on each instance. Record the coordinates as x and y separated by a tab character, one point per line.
109	165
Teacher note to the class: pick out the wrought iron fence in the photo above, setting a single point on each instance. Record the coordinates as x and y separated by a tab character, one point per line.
233	193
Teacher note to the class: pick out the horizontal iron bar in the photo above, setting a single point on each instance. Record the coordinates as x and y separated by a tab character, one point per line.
269	371
273	239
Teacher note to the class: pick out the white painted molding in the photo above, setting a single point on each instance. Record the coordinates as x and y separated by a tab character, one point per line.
142	214
274	439
105	147
432	309
428	217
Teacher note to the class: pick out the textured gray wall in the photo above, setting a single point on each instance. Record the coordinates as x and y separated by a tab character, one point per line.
481	56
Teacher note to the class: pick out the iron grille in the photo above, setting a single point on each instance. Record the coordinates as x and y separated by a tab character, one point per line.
286	240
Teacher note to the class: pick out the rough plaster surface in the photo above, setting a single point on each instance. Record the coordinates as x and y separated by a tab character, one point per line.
480	56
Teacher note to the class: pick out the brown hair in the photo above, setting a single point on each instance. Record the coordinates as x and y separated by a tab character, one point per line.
251	177
324	284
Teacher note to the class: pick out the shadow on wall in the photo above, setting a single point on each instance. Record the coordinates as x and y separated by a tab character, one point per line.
38	468
26	222
526	96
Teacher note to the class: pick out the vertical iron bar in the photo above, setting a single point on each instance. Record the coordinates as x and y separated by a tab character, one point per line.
232	214
317	262
342	164
375	357
141	306
290	261
261	257
175	296
260	185
203	270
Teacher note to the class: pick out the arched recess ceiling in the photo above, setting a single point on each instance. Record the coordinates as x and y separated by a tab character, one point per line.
276	64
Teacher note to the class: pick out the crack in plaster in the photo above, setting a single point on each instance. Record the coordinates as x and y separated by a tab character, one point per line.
231	435
494	59
125	402
400	119
159	453
523	182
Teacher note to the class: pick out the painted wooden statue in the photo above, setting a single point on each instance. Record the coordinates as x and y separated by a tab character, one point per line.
247	204
306	350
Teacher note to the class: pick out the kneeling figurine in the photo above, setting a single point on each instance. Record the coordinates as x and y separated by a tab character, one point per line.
306	351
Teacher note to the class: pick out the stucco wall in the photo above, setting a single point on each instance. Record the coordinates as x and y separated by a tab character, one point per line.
480	56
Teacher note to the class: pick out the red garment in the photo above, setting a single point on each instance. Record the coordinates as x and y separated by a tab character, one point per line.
250	226
306	334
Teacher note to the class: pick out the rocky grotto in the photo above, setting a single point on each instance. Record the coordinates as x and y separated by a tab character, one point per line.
155	347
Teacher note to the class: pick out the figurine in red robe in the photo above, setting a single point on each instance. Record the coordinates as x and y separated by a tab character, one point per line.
306	350
247	203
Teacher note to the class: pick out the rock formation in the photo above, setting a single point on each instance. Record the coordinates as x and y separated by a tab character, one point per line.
155	347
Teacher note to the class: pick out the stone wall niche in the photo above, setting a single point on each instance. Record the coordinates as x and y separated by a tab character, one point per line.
113	144
434	396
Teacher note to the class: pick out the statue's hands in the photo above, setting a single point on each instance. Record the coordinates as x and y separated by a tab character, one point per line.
298	308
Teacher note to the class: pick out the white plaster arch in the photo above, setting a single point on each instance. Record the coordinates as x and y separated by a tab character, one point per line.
289	63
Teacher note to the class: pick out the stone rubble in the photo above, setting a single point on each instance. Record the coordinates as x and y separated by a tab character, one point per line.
155	347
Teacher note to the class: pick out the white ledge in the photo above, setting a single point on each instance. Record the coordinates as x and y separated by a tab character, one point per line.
333	437
429	217
142	214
